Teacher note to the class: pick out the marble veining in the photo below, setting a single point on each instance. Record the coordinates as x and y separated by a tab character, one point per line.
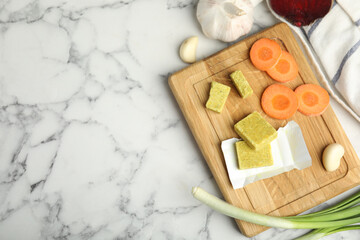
92	142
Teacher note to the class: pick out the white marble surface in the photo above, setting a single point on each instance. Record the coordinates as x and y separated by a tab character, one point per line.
92	142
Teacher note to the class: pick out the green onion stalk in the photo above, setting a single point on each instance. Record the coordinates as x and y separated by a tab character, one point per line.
338	218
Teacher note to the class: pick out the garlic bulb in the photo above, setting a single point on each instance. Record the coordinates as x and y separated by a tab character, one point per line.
225	20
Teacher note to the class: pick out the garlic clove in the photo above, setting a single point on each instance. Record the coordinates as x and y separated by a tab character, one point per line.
332	155
188	49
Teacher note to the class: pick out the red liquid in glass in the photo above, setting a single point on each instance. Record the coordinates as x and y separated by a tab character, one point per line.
301	12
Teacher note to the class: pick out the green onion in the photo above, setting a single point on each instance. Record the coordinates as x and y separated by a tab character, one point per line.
232	211
346	213
322	232
326	221
346	203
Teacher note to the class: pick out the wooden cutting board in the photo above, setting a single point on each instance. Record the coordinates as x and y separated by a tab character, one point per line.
286	194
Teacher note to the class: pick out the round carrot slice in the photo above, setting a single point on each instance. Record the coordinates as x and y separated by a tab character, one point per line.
279	101
265	53
313	99
286	68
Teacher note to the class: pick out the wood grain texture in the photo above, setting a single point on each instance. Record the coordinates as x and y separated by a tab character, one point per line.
286	194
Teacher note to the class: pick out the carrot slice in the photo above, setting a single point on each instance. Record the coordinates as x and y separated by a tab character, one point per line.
265	53
313	99
285	70
279	101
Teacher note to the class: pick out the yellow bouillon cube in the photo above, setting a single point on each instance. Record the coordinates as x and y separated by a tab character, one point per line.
251	158
255	130
218	95
241	84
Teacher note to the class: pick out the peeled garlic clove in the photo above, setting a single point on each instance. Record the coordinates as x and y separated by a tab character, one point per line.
226	20
188	49
332	155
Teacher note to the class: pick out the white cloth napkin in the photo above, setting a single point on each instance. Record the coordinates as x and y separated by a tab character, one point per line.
336	41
